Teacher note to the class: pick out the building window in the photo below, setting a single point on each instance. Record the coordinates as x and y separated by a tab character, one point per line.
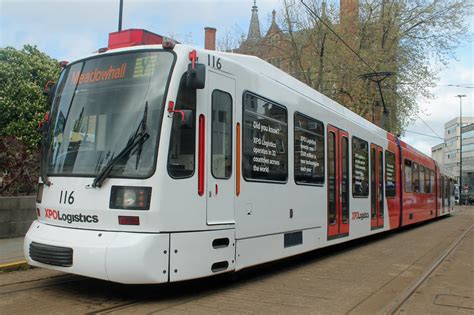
451	154
309	150
360	167
468	134
468	147
451	142
265	140
452	129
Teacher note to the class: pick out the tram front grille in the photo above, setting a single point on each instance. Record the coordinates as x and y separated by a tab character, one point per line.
51	255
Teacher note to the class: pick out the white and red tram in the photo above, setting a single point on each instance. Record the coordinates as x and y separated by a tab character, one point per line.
164	163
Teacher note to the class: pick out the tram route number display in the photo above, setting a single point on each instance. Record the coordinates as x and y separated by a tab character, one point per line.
307	155
264	147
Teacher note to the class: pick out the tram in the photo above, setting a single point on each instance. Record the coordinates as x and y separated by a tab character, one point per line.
162	162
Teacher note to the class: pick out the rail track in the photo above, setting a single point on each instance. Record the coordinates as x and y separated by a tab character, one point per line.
38	283
401	299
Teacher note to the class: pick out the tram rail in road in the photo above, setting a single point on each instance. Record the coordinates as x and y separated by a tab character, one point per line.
405	295
373	275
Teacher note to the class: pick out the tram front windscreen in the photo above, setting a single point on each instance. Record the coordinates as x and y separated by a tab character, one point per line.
101	106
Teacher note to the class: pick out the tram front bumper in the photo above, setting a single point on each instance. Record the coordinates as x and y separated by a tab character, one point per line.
115	256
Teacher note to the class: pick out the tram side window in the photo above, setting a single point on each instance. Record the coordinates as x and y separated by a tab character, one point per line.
422	179
309	150
221	142
415	176
427	181
182	150
265	140
360	167
432	181
390	190
408	174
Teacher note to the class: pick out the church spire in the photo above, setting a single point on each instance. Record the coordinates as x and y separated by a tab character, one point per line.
254	29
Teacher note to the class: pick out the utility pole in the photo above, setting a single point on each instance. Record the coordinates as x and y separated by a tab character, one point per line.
460	147
120	15
378	77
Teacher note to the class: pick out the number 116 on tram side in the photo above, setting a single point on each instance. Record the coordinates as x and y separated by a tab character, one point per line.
162	163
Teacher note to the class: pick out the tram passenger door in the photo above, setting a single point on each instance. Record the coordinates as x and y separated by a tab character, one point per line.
220	167
376	187
338	182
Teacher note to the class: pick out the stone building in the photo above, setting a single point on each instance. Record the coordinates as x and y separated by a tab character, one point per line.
271	47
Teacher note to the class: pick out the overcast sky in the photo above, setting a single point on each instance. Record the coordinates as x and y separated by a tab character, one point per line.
69	29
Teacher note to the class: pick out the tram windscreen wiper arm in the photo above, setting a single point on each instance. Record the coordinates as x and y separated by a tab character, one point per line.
140	136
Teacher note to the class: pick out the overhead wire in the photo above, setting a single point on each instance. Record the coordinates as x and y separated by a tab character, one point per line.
464	86
424	122
358	55
422	134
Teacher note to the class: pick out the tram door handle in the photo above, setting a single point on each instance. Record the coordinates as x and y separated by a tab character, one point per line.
215	192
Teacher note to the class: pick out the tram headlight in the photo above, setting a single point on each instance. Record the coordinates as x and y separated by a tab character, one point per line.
130	197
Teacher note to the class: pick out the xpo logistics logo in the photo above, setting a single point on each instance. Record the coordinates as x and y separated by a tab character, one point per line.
70	218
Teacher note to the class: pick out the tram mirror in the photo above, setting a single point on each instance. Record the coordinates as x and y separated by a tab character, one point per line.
187	121
196	77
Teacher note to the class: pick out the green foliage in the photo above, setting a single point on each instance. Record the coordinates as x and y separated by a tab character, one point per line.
23	75
19	167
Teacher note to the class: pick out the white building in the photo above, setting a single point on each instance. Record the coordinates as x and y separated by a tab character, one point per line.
448	152
468	156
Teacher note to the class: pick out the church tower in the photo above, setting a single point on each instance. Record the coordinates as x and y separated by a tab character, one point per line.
254	29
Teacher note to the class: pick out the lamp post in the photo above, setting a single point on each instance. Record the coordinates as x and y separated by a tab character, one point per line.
460	146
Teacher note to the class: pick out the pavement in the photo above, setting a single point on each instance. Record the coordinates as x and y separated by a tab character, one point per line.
363	277
11	253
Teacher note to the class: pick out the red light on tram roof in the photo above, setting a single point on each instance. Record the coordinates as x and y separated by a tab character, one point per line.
128	220
133	37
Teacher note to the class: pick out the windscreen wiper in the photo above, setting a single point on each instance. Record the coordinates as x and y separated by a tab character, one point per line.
138	138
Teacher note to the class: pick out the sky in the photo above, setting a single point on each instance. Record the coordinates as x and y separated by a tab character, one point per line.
69	29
